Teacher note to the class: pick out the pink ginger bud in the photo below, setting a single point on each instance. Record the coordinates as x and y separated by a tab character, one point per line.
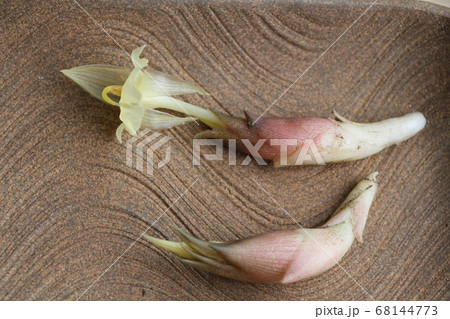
283	256
309	141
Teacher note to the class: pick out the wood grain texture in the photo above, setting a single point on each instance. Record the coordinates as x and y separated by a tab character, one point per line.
70	206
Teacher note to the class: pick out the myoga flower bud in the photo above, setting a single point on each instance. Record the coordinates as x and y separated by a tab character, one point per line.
309	141
144	94
283	256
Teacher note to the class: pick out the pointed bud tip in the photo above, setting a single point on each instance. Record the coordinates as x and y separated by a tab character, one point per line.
150	238
176	229
69	73
373	176
251	118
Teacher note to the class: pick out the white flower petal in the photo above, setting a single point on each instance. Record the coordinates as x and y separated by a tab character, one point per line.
157	120
131	116
138	62
119	132
155	83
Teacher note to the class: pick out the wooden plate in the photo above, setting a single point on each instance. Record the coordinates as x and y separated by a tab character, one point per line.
72	210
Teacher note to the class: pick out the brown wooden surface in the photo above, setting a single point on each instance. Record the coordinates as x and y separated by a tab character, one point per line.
70	206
